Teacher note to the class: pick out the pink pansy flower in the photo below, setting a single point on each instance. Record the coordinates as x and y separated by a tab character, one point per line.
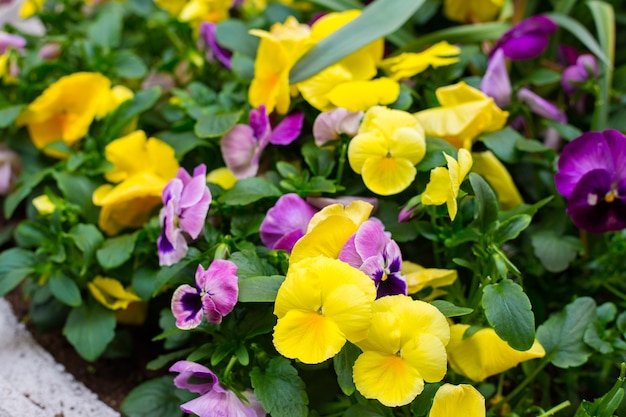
372	251
186	201
10	168
330	125
214	400
243	144
496	82
541	106
286	222
8	40
214	295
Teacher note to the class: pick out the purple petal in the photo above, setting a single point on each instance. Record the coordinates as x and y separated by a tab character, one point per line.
287	130
260	123
394	284
496	82
241	150
221	289
616	142
370	239
171	252
587	152
207	33
329	125
288	240
8	40
528	39
192	219
290	213
374	267
187	307
218	403
189	370
172	191
588	208
540	106
349	254
393	256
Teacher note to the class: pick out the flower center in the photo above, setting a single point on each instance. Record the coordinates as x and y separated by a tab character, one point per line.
611	195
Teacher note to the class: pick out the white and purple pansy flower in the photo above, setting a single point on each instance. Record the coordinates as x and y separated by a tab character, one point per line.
286	222
372	251
592	176
243	144
186	201
214	399
214	295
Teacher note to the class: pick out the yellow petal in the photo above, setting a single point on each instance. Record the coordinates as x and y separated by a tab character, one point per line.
455	400
357	212
270	85
427	354
459	93
223	177
354	316
418	277
409	64
472	10
315	89
387	176
111	293
487	165
387	378
484	354
438	188
43	204
326	239
361	95
365	146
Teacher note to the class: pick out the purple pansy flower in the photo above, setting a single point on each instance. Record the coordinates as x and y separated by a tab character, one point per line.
214	400
8	40
496	82
329	125
527	39
372	251
214	295
286	222
243	144
592	176
207	33
186	202
541	106
585	67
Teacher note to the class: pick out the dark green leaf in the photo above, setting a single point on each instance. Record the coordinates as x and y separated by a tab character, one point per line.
78	189
450	310
156	398
581	32
422	404
24	189
377	20
249	264
487	212
562	334
29	234
216	125
183	142
116	250
511	228
530	145
65	289
143	282
343	363
509	312
87	238
259	289
566	131
279	389
320	160
90	328
502	144
244	225
162	360
249	190
435	148
15	265
543	76
121	117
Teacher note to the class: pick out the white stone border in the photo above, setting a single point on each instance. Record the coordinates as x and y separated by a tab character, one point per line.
33	384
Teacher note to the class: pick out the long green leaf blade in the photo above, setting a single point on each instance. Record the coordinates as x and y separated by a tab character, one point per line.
461	34
378	20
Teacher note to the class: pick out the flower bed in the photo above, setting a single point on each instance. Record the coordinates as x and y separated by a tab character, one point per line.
291	208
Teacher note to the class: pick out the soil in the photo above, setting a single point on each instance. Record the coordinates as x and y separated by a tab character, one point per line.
110	379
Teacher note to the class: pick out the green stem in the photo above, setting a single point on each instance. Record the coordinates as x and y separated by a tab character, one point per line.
614	290
529	378
229	367
342	160
555	409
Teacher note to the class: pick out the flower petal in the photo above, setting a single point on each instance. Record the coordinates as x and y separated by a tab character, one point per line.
427	354
240	149
454	400
287	130
187	307
388	176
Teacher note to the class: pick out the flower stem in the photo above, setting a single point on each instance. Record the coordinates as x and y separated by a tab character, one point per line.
555	409
529	378
342	161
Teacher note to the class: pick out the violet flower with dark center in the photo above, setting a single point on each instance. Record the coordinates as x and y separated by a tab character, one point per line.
215	50
243	144
214	400
527	39
372	251
592	176
213	297
286	222
186	203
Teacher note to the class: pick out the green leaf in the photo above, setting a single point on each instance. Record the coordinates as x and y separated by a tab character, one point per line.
244	225
15	265
553	250
249	264
562	334
343	362
106	30
183	142
25	186
167	273
450	310
121	117
502	144
90	328
143	282
259	289
216	125
543	76
233	34
435	148
78	189
30	234
464	34
249	190
566	131
279	389
65	289
320	160
116	250
129	65
508	311
377	20
511	228
530	145
338	5
156	398
487	212
87	238
422	404
9	114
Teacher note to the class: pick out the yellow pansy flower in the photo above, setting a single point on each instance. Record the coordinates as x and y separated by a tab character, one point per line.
196	11
405	346
484	354
455	400
408	64
329	230
66	109
111	293
348	83
386	149
472	11
487	165
418	277
43	204
465	113
278	51
445	183
142	168
30	7
223	177
322	303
